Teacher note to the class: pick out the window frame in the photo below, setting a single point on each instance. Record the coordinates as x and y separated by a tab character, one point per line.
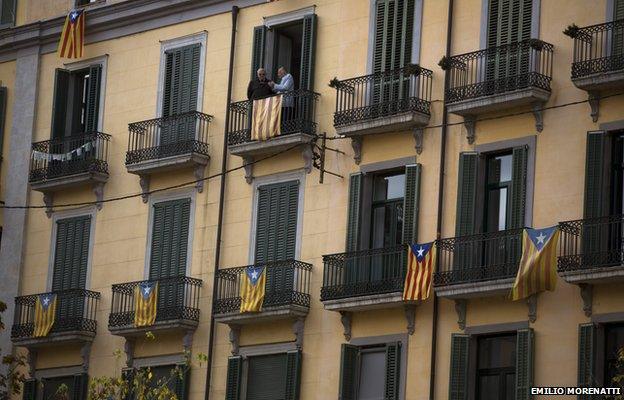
14	20
501	370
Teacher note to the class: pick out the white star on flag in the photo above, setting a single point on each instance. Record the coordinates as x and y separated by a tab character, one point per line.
254	275
420	252
46	300
540	238
146	290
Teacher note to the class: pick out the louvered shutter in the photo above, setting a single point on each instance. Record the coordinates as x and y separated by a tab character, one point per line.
466	194
182	381
393	371
458	375
518	186
525	349
7	12
308	45
3	105
232	386
349	364
293	374
596	236
618	30
266	377
81	386
30	389
354	212
411	203
93	98
257	51
586	357
59	105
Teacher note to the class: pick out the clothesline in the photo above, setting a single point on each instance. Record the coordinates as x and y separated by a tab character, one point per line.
43	156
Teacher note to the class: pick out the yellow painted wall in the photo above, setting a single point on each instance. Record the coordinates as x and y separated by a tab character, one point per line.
121	228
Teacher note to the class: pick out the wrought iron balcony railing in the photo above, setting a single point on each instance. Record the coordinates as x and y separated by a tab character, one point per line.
287	283
591	243
382	94
178	299
300	118
478	258
67	156
364	273
598	48
498	70
75	311
168	136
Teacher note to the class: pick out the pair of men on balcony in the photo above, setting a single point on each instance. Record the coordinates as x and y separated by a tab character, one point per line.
262	87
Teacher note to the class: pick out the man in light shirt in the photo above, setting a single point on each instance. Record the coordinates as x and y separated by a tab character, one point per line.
287	84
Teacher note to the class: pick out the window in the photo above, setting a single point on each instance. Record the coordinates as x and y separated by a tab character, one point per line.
387	210
7	13
273	376
48	388
614	344
498	187
599	345
496	367
76	102
371	372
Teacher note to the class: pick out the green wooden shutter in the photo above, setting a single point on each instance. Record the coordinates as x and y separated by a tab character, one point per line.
618	31
30	389
257	51
354	212
525	349
170	233
3	106
393	371
394	20
595	181
349	364
293	374
7	13
586	357
81	386
466	194
59	105
411	203
71	253
308	46
266	377
93	98
458	376
182	382
518	186
232	386
509	21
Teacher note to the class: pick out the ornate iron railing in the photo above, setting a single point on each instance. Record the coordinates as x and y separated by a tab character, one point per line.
168	136
299	116
499	70
287	283
364	272
75	311
591	243
77	154
382	94
598	48
178	299
478	258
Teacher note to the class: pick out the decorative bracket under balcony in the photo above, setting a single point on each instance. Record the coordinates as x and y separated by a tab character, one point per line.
97	188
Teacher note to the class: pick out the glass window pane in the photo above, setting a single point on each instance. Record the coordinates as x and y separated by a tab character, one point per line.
497	352
396	186
614	342
505	168
489	387
372	376
510	387
502	210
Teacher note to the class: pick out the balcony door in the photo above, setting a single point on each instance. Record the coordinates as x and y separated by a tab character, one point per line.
276	238
509	22
169	254
71	256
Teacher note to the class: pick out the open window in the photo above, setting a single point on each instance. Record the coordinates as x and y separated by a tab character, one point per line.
7	13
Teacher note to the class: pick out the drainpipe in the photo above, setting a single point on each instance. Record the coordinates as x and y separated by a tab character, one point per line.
221	200
434	329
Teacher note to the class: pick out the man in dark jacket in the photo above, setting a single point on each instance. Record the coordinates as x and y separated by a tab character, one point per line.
259	87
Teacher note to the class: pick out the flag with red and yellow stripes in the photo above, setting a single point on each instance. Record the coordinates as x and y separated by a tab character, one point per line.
145	303
72	36
421	259
538	266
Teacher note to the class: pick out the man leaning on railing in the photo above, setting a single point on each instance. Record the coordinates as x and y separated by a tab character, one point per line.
287	84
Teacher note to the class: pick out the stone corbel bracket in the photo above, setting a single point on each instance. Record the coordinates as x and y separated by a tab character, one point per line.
129	346
356	144
98	191
345	319
187	341
297	328
144	182
470	121
32	361
593	98
532	306
198	173
85	353
235	338
418	134
460	309
587	294
538	113
410	316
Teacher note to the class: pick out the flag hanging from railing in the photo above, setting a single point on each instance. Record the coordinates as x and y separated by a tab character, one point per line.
45	312
421	259
267	118
145	302
71	44
252	289
538	266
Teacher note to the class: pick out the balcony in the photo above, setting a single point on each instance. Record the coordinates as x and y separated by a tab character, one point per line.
168	143
287	293
392	101
364	279
591	250
480	265
298	129
499	78
73	161
74	320
177	308
598	59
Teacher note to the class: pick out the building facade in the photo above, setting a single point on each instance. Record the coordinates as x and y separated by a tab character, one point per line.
459	122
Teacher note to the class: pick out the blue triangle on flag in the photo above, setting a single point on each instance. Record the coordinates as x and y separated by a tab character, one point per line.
540	237
254	273
421	250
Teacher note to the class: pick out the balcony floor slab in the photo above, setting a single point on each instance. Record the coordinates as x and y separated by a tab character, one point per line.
180	161
595	275
271	146
64	182
499	102
363	303
268	314
394	123
69	337
181	325
498	287
600	81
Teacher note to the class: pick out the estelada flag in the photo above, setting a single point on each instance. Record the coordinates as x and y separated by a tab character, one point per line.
71	44
267	118
421	259
45	312
538	266
145	301
252	289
